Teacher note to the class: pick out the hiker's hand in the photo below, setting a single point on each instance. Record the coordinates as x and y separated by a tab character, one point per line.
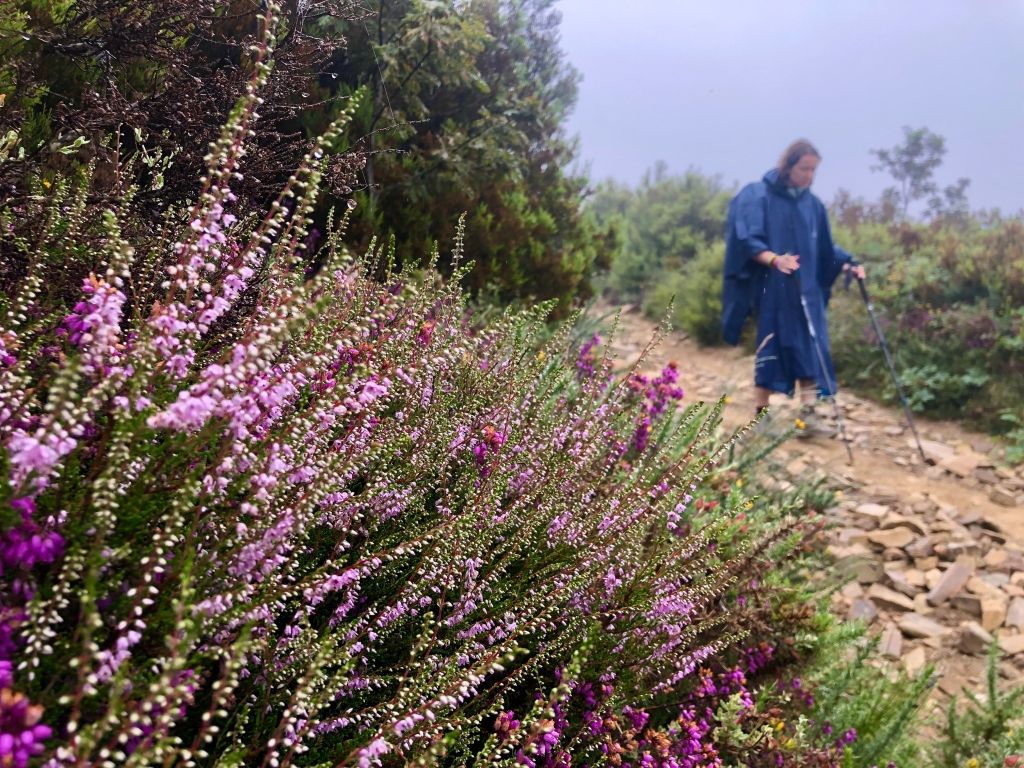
857	271
787	265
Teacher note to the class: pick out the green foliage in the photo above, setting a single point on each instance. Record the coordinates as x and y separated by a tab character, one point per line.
837	706
948	299
879	705
695	293
468	102
120	77
989	729
662	225
465	112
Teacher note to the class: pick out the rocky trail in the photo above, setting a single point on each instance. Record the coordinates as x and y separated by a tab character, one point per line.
934	549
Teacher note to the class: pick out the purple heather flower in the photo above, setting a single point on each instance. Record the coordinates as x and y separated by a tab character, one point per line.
505	724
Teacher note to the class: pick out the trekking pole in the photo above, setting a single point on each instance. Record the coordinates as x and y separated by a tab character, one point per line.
821	362
892	368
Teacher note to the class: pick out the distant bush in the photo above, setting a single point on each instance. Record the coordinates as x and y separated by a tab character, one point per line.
662	225
697	292
951	304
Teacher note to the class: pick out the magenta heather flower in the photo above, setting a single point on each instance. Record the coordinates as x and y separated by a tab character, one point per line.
21	733
587	359
486	448
25	544
505	724
95	325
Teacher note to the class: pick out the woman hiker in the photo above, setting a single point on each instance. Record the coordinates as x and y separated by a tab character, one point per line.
778	242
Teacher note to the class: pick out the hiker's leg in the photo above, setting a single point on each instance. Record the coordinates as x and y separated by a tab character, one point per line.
808	391
761	396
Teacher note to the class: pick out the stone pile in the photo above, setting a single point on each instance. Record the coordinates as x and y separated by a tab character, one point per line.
933	580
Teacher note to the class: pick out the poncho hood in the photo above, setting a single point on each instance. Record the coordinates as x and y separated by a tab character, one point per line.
772	182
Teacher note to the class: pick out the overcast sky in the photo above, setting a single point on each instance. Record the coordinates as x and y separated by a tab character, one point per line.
725	85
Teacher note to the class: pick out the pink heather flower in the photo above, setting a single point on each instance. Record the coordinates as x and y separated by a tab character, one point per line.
38	453
370	754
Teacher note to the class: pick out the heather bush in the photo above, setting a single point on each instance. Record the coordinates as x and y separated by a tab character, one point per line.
266	506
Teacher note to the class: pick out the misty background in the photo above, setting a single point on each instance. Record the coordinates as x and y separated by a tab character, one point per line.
724	86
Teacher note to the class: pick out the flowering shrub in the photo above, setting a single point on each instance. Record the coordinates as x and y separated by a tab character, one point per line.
261	513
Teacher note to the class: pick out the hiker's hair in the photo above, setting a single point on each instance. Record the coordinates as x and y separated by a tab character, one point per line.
796	150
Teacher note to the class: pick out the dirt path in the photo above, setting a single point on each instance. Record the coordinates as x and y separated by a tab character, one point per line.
883	452
936	547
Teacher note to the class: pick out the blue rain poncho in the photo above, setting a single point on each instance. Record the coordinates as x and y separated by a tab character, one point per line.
767	216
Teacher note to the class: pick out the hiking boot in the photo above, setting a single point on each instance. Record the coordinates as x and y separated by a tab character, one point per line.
809	424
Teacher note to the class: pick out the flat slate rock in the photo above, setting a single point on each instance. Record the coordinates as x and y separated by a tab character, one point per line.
920	548
914	661
881	494
888	599
987	476
1012	645
932	450
974	639
993	612
1015	613
996	579
852	590
960	464
850	536
967	603
896	520
949	583
1003	496
891	644
893	537
869	516
915	625
901	584
866	569
862	609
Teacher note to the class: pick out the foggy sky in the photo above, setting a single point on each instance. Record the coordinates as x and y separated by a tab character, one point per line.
725	85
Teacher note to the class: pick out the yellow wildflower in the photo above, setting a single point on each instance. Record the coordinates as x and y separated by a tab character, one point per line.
780	725
972	763
728	399
800	424
540	355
